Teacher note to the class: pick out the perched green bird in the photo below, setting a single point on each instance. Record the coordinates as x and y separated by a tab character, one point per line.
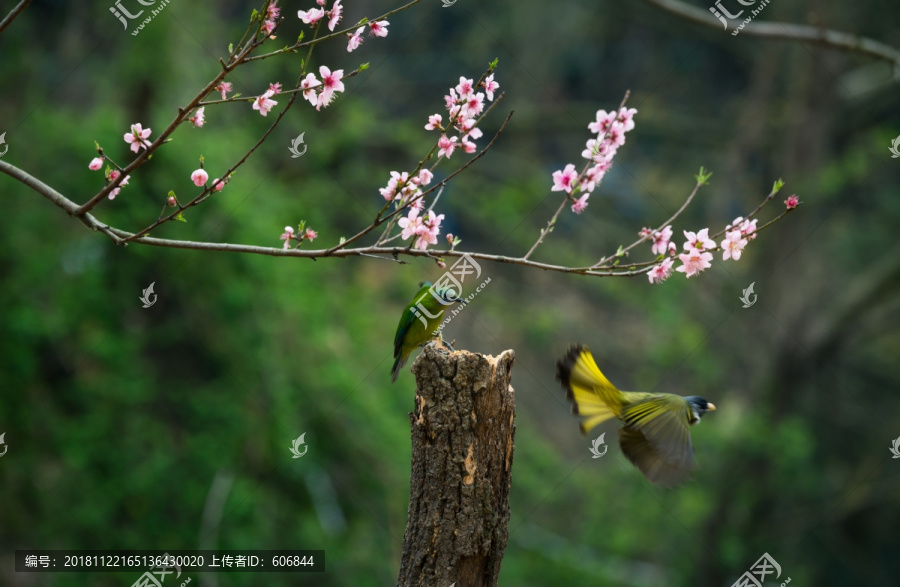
419	321
655	438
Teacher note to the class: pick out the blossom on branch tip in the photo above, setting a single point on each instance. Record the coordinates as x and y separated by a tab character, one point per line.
694	261
603	122
199	177
96	163
273	11
379	28
310	235
264	103
661	272
434	121
138	137
563	180
792	202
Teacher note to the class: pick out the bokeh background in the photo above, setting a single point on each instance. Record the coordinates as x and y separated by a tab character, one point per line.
136	428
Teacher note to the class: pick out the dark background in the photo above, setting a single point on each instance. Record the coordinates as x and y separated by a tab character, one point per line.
148	428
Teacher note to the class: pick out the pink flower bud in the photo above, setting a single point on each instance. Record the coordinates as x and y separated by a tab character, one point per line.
199	177
171	201
96	163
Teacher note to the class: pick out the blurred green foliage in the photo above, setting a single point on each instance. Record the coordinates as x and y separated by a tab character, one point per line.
118	418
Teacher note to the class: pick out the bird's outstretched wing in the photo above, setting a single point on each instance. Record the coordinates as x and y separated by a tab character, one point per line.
657	440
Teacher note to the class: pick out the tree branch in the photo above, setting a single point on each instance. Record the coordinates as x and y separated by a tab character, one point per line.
13	14
790	32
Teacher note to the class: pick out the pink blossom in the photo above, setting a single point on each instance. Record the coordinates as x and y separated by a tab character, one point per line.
580	204
699	240
428	232
694	261
263	103
604	120
748	228
563	180
171	201
199	177
332	83
96	163
379	29
792	202
267	27
218	185
661	272
224	88
464	87
434	121
396	181
114	192
311	16
626	117
273	11
138	137
733	245
287	236
309	82
425	177
474	105
411	224
198	118
310	234
275	88
490	86
592	178
113	175
468	146
661	240
334	16
446	146
355	39
615	136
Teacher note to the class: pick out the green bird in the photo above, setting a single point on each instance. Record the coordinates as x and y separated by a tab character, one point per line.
656	436
420	321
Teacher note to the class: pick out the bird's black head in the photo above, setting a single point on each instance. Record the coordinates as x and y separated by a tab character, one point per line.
699	406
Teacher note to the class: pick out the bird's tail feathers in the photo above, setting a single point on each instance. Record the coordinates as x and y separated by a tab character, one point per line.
398	364
594	399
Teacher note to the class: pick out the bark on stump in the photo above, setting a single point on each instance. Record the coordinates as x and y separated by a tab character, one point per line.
463	429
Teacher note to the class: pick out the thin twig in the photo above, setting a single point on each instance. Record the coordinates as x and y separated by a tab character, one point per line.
16	11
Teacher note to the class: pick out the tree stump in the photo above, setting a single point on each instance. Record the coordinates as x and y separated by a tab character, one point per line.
463	429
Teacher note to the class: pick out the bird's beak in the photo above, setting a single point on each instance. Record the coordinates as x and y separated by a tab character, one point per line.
710	407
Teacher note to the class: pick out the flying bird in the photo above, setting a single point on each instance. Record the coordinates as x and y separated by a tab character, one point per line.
420	321
655	436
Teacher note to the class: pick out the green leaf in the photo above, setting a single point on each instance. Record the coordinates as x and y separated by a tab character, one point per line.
779	183
493	63
620	251
231	48
180	217
342	241
703	177
253	15
363	66
171	194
